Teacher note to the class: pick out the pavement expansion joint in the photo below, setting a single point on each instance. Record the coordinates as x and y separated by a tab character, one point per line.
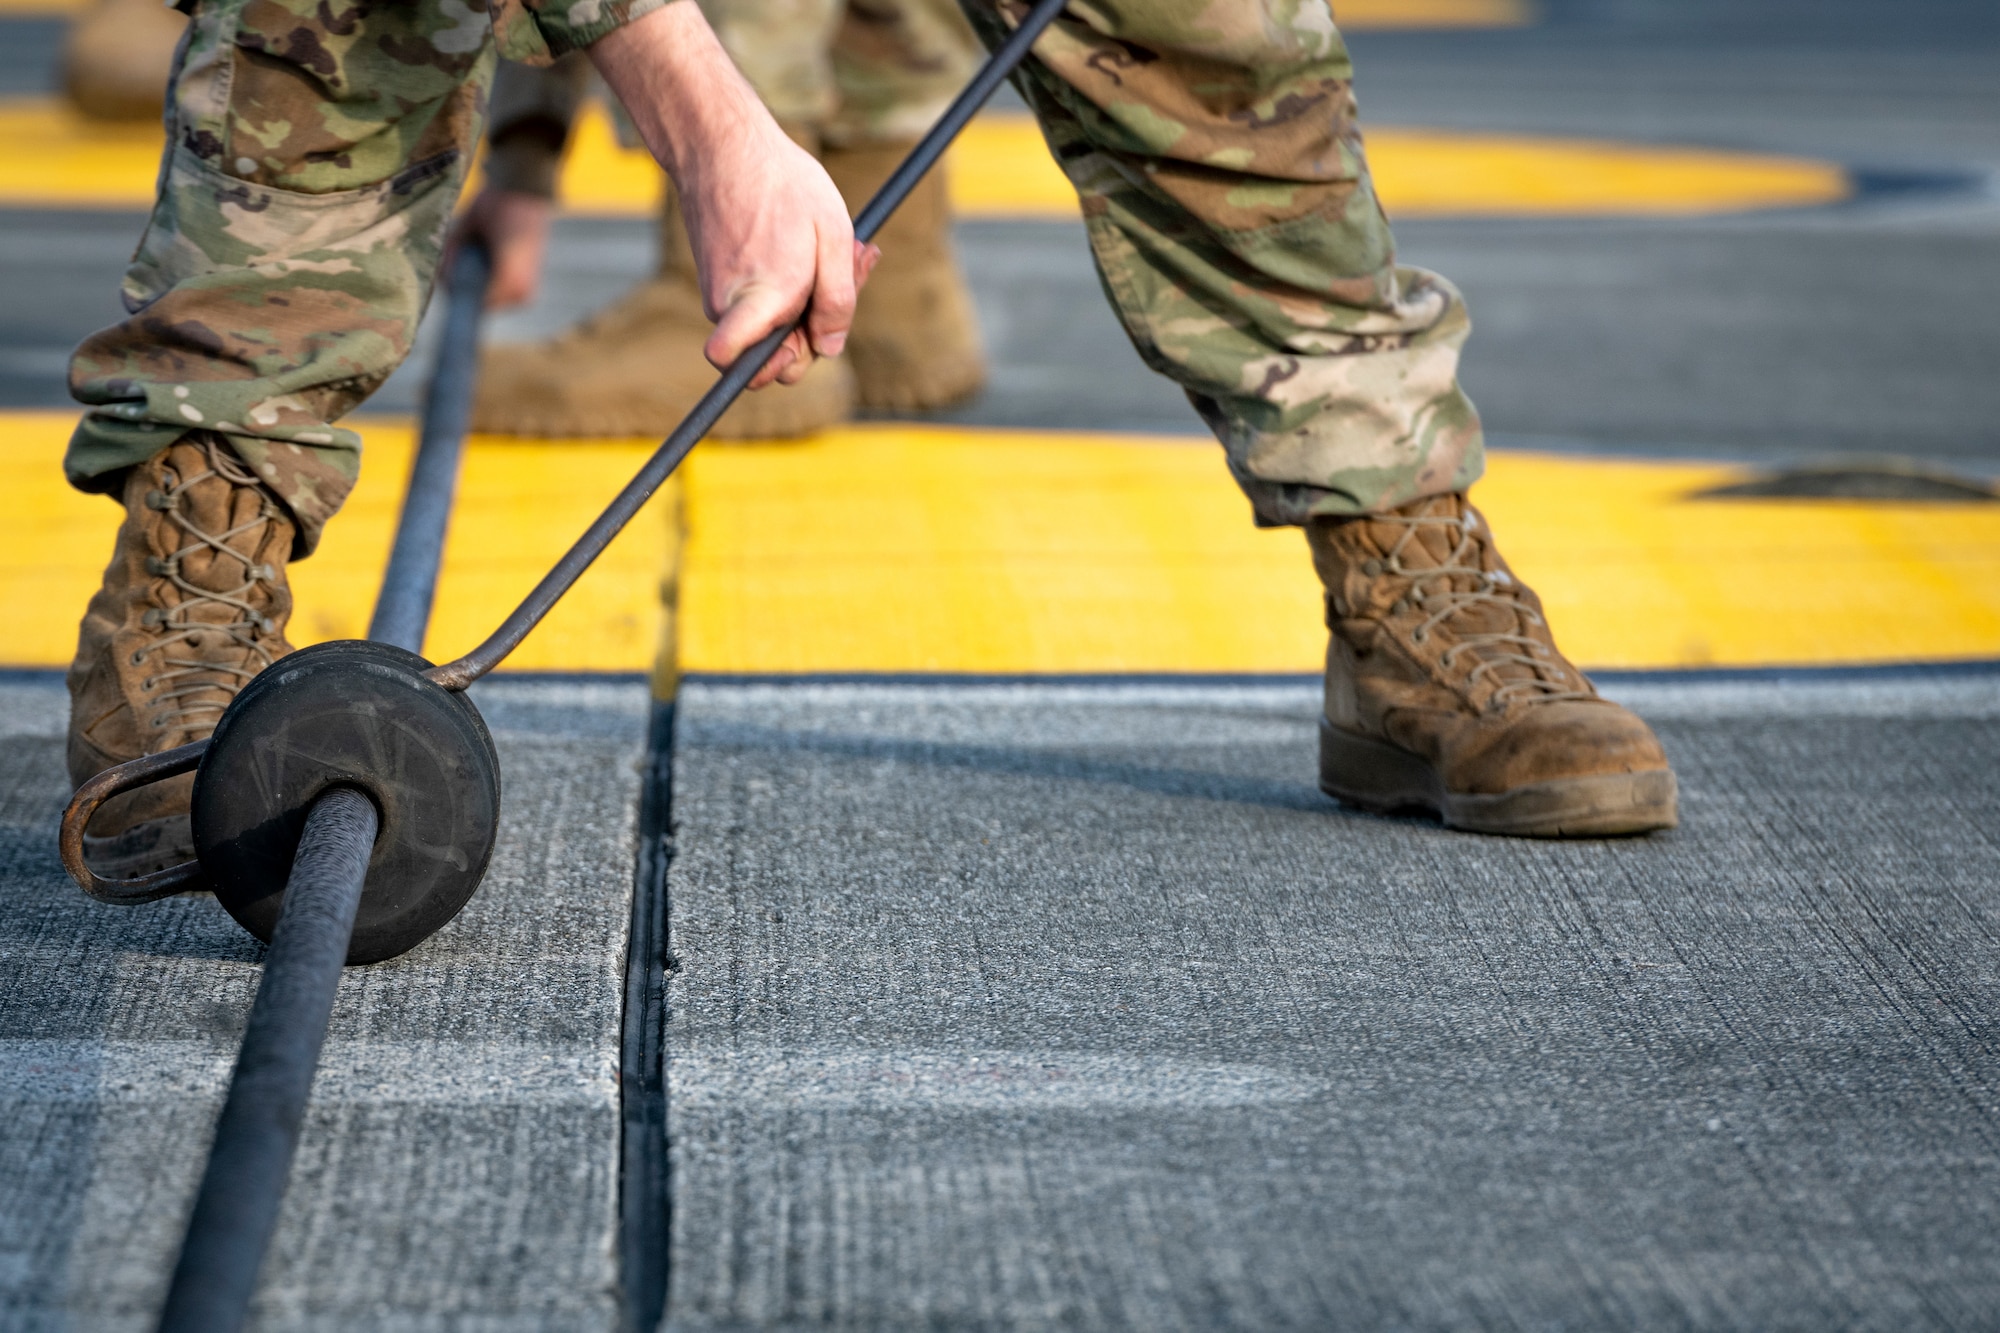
1084	996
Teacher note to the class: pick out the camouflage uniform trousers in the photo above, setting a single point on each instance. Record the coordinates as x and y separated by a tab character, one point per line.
314	152
1213	147
1236	230
840	73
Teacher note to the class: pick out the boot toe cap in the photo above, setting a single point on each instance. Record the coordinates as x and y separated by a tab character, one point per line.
1582	738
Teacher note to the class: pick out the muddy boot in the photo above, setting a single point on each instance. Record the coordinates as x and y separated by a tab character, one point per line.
1445	691
636	368
194	604
118	57
915	345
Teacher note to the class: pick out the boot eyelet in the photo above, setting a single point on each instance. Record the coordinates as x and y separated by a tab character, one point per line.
1420	636
139	658
1372	568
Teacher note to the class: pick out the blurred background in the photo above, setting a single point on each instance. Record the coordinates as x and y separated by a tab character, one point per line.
1868	325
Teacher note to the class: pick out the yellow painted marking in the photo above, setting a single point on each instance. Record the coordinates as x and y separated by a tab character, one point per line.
1000	168
41	8
1421	173
1634	574
519	507
1372	15
911	548
56	158
907	548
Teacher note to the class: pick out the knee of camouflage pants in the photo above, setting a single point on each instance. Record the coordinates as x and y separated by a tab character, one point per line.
313	156
1215	152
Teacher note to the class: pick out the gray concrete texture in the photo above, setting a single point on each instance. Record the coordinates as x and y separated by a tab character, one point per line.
1041	1006
459	1165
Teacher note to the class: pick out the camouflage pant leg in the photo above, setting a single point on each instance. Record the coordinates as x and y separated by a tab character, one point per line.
1230	211
897	64
858	71
314	152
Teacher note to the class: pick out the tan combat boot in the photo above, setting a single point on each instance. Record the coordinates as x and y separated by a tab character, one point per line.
194	604
118	57
915	345
1446	693
636	368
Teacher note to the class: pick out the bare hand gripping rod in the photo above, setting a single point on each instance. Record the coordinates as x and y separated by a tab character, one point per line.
456	676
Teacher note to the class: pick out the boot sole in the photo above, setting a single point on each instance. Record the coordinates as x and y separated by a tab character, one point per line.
1385	779
141	849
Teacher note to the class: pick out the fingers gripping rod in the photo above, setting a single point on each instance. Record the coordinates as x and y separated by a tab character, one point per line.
725	391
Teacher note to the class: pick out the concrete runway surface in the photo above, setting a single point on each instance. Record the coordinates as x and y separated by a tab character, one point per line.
1031	1006
1023	1004
459	1167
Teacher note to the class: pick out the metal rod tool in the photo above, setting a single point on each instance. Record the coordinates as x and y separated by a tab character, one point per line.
250	1161
725	391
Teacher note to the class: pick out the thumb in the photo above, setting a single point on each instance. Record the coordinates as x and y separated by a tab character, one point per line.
756	310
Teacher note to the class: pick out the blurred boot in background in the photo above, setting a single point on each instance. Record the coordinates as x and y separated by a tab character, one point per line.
118	57
856	85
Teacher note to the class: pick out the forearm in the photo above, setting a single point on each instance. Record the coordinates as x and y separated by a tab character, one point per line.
770	233
682	91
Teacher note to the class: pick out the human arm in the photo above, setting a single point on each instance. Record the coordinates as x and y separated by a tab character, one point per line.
770	232
768	229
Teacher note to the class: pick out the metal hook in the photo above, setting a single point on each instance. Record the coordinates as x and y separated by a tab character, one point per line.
113	782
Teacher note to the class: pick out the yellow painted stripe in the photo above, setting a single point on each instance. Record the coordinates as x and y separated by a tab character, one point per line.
910	548
519	507
1001	169
884	549
53	157
1377	15
40	8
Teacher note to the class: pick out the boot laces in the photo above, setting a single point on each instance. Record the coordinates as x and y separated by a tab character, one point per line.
1433	591
191	700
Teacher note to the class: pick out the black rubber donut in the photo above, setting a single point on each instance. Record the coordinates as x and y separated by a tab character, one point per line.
359	714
